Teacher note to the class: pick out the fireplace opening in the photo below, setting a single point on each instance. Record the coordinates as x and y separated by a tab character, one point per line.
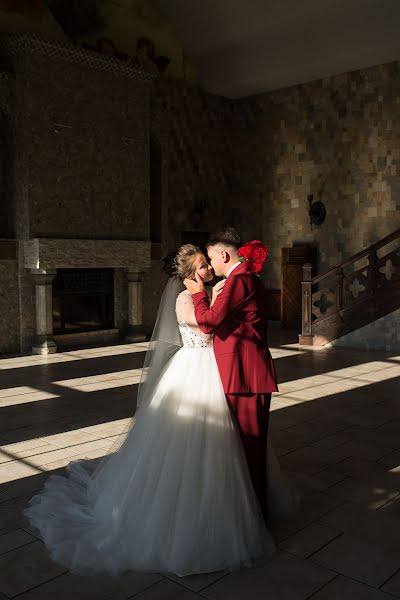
83	300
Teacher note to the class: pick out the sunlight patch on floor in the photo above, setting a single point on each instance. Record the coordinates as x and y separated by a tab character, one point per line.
343	380
19	362
279	352
23	395
104	381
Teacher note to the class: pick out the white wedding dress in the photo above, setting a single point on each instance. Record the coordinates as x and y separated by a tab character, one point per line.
176	497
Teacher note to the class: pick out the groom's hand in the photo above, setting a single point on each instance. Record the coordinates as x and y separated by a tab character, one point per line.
194	286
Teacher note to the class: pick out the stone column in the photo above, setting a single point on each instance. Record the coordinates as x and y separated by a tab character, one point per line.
43	342
135	331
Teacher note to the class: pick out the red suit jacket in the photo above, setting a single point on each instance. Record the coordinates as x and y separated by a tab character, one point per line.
238	320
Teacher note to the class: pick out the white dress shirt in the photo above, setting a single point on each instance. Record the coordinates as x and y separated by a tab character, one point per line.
231	269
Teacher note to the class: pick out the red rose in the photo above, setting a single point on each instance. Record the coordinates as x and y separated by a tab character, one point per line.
245	251
255	253
259	254
256	268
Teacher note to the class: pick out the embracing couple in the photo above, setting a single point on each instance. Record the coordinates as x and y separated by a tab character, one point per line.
190	488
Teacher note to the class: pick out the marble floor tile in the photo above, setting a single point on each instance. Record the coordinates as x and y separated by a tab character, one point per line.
26	567
14	539
94	587
392	586
343	588
371	495
167	590
197	583
335	424
358	559
309	540
286	577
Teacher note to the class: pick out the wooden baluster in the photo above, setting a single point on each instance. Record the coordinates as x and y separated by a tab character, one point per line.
372	271
348	315
372	279
306	337
339	288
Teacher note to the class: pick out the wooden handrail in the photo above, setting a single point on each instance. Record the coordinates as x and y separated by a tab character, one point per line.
386	240
351	300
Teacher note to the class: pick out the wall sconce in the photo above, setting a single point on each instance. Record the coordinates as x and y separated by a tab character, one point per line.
316	210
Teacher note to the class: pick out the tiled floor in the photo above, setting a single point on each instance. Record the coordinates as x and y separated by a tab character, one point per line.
335	425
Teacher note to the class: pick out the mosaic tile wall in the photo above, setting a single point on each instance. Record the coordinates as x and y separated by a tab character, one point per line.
81	163
9	307
86	158
195	129
339	137
248	165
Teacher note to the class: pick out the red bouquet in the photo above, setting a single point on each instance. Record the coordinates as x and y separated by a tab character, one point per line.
256	253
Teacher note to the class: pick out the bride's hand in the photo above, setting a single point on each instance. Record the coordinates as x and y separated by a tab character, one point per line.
194	286
217	289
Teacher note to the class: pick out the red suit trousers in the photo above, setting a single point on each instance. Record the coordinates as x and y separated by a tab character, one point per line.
251	412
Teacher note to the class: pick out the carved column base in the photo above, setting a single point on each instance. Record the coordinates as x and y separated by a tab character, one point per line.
135	333
43	344
306	340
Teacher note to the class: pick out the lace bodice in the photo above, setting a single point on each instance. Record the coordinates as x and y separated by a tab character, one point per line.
192	336
192	339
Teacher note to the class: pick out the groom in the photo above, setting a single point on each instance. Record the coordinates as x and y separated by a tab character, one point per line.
238	320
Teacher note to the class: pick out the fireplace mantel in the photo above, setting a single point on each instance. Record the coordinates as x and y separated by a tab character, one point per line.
45	253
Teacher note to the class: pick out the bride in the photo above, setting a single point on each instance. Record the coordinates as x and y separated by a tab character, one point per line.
176	496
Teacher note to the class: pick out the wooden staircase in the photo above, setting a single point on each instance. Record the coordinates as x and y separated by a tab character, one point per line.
356	292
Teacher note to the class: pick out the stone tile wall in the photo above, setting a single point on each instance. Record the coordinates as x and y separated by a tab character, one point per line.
339	137
194	128
86	155
9	307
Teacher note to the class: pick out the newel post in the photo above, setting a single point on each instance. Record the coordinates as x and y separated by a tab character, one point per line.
306	337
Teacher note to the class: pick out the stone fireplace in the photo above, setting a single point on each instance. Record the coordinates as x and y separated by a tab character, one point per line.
76	288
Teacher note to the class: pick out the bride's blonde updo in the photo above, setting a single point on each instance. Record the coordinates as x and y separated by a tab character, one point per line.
181	263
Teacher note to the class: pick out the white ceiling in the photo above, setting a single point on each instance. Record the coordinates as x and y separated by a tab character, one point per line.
244	47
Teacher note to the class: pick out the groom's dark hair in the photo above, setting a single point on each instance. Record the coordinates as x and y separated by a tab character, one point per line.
227	237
